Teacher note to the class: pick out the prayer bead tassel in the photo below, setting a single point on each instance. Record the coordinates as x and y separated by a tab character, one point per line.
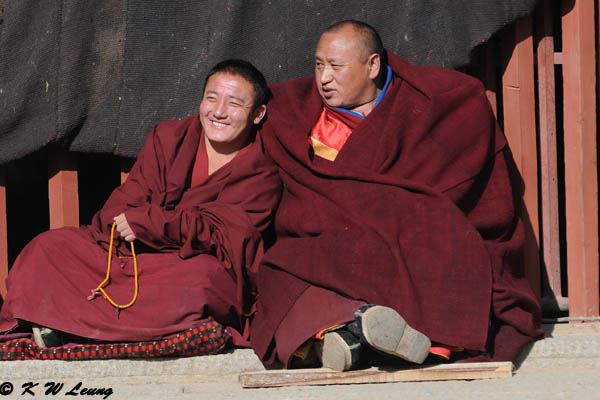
100	289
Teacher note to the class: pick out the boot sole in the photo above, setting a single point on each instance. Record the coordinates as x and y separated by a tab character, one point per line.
334	352
385	330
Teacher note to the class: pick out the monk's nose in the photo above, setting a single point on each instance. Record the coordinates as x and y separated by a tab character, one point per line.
326	75
220	109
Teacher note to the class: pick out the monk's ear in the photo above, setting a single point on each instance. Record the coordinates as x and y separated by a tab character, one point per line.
374	63
259	114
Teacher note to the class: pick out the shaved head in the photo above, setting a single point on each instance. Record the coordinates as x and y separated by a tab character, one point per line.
368	38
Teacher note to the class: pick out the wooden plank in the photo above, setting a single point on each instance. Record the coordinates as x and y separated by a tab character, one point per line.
63	196
581	185
518	92
3	235
550	235
326	376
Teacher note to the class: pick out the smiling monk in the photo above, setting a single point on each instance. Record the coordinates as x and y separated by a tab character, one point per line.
195	204
397	232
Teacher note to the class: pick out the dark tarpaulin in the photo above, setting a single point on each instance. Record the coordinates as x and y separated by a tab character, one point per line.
96	76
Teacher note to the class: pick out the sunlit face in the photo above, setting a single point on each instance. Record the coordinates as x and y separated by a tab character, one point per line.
226	111
344	72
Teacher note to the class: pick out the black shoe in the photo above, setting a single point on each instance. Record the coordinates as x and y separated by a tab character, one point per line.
384	330
339	350
46	337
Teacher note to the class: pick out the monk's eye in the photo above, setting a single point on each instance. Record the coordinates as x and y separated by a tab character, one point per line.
319	65
212	99
235	105
336	66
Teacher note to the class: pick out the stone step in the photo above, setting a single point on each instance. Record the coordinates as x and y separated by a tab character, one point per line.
567	342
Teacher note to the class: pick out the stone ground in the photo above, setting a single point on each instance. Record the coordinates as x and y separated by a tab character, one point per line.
565	365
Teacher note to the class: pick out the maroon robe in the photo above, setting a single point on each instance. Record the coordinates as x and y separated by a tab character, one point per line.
198	248
417	213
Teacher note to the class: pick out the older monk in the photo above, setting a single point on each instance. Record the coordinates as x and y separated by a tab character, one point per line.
397	231
195	204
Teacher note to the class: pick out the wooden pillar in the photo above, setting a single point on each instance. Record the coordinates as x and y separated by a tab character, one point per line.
63	196
581	174
550	235
518	92
3	235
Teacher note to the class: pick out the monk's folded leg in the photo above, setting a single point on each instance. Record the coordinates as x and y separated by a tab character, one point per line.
56	267
184	291
52	278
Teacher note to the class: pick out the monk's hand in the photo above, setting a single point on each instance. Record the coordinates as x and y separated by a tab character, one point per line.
124	228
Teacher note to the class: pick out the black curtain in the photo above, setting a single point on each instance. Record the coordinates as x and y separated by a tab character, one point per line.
95	76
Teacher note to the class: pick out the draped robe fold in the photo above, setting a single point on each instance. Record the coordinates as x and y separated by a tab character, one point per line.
416	212
198	248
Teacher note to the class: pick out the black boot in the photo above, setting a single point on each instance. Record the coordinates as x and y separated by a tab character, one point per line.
46	337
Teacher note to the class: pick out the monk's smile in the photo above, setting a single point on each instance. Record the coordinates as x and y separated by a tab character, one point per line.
226	110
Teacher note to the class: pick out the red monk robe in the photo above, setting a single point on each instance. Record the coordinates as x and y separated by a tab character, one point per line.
416	212
198	247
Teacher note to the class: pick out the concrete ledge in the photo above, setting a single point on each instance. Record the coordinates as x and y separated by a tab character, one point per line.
232	363
565	344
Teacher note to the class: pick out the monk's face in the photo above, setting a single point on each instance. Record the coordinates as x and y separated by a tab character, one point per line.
226	111
345	72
